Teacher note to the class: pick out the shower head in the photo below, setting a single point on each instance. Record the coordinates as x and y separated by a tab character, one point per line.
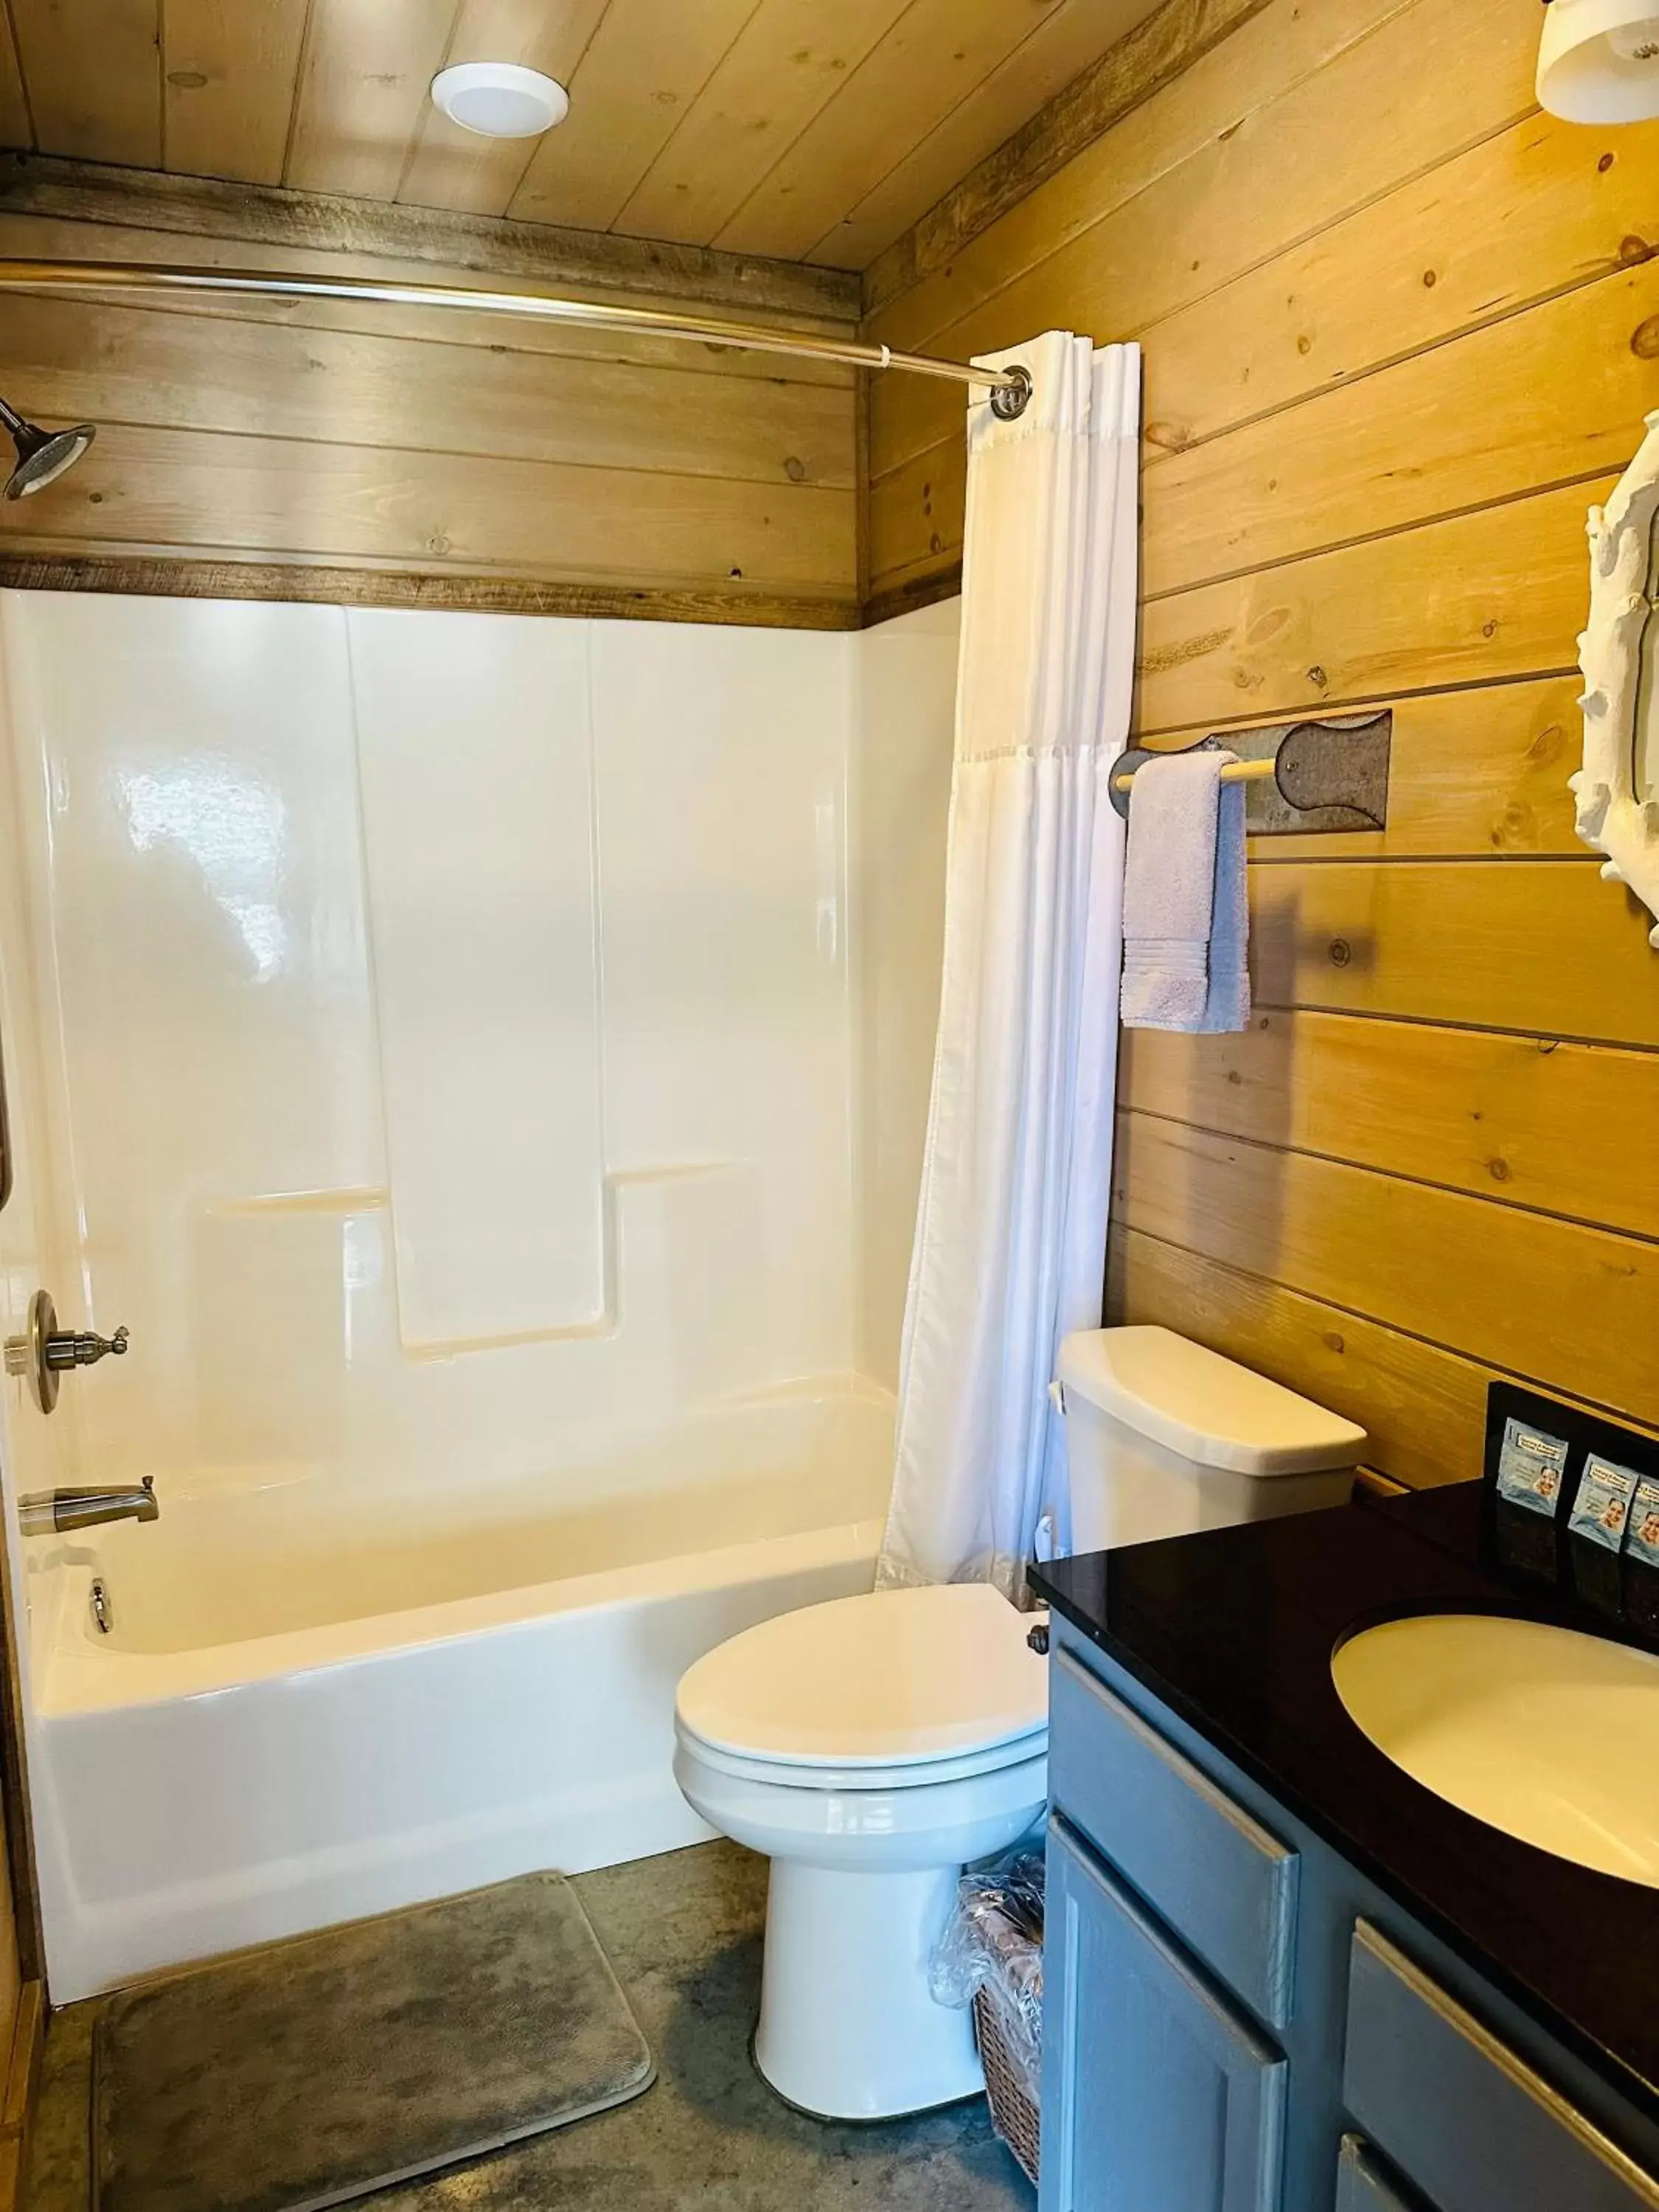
42	455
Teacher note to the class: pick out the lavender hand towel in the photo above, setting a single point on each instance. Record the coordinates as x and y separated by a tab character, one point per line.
1185	919
1227	1000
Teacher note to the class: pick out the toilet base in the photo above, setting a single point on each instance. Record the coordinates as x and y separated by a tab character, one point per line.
848	2029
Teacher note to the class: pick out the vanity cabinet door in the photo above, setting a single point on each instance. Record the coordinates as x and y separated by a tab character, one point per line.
1462	2115
1206	1867
1156	2092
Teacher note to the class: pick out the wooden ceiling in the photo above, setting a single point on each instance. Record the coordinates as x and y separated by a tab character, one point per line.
812	130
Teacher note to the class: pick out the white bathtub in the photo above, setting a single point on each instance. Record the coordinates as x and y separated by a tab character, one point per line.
315	1702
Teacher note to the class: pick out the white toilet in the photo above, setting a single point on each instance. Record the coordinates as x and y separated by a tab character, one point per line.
874	1745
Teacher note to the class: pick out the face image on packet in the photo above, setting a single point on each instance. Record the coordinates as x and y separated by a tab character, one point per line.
1642	1537
1530	1467
1603	1504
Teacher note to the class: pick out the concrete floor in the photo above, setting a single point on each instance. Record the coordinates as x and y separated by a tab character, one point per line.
683	1933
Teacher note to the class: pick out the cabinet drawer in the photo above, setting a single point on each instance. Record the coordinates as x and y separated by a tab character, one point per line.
1225	1885
1465	2119
1363	2186
1157	2094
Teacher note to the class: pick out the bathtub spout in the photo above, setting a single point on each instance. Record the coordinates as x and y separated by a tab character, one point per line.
52	1511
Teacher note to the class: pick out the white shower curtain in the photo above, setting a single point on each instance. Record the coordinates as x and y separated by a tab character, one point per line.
1011	1230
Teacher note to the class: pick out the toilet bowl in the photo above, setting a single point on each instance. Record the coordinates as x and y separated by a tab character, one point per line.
871	1748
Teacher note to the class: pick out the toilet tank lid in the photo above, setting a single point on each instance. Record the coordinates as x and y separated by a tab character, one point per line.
1209	1409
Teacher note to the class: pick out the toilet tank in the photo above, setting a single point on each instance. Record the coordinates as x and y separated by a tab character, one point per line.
1163	1436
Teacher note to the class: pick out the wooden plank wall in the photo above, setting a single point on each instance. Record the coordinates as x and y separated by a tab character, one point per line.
339	450
1401	329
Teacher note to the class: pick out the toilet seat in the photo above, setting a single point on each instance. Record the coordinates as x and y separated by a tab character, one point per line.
921	1773
888	1691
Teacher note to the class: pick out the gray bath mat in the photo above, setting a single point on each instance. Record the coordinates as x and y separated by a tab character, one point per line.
308	2072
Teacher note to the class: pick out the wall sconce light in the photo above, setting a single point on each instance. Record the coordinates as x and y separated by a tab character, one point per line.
1598	61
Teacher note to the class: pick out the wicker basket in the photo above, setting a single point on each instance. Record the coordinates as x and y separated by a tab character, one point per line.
1012	2112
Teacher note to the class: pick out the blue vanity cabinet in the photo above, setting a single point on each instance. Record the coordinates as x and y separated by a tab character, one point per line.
1235	2020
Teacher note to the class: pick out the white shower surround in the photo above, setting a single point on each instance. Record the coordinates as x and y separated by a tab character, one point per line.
476	1054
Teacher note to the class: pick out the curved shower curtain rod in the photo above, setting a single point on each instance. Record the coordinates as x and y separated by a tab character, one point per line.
1009	388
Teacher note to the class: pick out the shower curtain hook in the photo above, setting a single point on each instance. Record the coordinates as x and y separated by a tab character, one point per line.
1010	399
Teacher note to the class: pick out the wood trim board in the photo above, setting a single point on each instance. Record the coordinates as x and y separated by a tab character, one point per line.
22	2080
167	576
490	246
905	598
1170	41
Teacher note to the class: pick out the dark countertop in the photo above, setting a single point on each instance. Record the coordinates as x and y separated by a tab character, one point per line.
1234	1630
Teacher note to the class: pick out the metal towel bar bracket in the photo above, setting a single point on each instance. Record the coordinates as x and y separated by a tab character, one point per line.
1304	776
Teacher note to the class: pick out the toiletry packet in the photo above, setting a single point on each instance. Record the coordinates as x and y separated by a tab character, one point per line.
1642	1537
1531	1467
1603	1504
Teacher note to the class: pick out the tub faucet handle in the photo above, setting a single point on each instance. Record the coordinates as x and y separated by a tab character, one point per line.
48	1352
82	1347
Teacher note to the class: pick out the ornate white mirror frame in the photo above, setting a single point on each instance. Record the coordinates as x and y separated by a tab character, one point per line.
1617	788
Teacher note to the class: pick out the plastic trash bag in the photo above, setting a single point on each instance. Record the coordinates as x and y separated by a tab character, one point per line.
993	1941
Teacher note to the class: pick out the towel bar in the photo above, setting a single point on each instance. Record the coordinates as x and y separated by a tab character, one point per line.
1235	772
1326	774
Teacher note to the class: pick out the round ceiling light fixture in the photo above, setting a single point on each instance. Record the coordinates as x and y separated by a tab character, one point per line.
500	100
1598	61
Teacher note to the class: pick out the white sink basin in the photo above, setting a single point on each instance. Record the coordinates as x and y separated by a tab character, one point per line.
1552	1736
